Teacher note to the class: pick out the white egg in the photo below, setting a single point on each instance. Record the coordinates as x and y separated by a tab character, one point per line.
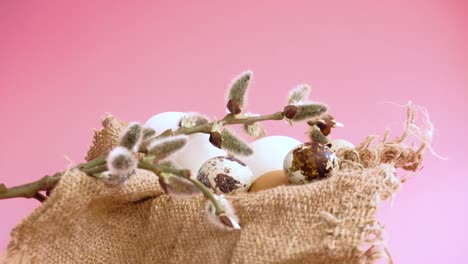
226	175
164	121
197	151
336	144
269	153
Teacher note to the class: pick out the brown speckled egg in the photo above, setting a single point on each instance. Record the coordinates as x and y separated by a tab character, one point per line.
225	175
309	162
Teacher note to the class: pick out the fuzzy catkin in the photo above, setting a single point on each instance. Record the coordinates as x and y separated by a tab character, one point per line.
308	111
148	132
299	94
120	161
165	147
234	144
239	87
178	187
255	130
131	137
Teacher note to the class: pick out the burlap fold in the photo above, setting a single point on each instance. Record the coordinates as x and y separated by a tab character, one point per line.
87	221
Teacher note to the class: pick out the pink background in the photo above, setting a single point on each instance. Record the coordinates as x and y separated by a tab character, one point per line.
63	65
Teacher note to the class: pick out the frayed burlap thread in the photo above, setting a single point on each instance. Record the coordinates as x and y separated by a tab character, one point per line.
329	221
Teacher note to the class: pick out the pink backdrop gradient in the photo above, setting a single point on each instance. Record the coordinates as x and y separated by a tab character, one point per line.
63	65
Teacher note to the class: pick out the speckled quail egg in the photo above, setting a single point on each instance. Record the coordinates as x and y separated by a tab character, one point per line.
225	175
336	144
309	162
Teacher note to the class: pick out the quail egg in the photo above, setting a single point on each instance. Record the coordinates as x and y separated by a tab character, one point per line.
225	175
309	162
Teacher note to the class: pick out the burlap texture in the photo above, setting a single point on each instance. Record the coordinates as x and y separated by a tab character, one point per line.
87	221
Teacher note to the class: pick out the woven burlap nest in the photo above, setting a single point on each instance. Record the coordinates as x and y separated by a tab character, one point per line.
329	221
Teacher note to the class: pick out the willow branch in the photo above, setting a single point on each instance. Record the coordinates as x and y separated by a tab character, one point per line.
158	169
228	120
31	190
47	183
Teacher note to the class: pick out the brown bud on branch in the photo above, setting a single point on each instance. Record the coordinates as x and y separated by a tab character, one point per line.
325	122
290	111
234	107
215	139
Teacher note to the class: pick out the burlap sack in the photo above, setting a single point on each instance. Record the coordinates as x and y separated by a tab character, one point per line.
86	221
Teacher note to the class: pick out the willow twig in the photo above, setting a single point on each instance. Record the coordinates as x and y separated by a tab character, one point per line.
158	169
31	190
229	119
98	165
